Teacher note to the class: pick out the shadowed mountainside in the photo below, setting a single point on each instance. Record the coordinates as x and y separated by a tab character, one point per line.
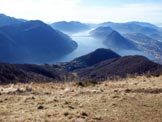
7	20
112	39
33	42
128	65
117	42
10	73
90	59
25	73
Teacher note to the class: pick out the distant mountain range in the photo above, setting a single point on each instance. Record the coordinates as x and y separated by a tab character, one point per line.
33	42
136	27
99	65
70	27
147	44
130	38
23	41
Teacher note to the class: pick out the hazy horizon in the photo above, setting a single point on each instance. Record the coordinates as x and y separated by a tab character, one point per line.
91	11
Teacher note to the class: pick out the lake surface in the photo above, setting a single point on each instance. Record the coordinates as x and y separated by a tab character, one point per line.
86	44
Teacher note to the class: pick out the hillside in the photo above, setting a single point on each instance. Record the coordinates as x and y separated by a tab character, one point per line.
136	27
33	42
27	73
90	59
120	67
113	39
148	45
137	99
10	73
7	20
101	32
117	42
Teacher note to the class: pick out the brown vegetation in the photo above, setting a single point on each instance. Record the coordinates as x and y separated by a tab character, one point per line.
137	99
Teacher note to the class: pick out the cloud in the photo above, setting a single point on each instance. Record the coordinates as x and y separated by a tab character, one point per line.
123	13
38	9
57	10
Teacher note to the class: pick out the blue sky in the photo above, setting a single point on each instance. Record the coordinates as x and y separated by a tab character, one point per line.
84	10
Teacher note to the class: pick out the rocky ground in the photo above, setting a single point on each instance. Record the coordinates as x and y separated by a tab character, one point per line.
137	99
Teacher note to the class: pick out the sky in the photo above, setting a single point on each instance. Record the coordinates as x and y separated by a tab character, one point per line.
89	11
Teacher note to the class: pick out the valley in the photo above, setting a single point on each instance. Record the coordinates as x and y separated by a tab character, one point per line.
86	44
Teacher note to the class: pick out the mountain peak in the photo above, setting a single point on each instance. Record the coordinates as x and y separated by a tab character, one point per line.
115	35
92	58
98	55
35	22
105	28
117	41
101	32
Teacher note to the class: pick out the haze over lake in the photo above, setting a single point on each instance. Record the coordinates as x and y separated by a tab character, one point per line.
86	44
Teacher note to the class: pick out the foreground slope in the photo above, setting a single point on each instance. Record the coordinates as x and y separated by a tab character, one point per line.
136	99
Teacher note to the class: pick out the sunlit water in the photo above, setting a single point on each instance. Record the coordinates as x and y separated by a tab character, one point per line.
86	44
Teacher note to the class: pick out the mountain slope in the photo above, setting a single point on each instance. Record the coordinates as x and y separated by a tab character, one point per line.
7	20
10	73
121	67
35	42
116	41
101	32
148	45
136	27
90	59
25	73
7	46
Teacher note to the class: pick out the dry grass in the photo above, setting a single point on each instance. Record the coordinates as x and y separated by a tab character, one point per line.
131	100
